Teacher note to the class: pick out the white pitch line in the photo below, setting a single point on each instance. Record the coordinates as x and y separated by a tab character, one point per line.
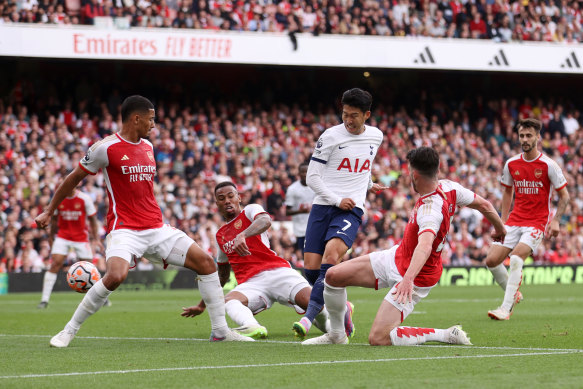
574	350
273	365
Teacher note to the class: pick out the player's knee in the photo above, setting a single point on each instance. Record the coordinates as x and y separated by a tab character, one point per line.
113	279
379	338
334	277
492	261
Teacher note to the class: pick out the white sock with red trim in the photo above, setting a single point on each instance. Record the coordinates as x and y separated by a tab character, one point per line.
214	299
91	303
239	313
500	275
48	283
411	336
514	281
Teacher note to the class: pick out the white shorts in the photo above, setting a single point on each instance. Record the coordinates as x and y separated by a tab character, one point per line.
277	285
166	244
62	246
388	276
530	236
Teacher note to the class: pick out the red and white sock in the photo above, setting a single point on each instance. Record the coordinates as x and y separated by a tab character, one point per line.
411	336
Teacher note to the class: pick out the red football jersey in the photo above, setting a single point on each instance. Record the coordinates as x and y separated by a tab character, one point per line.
262	257
533	183
72	215
432	212
129	170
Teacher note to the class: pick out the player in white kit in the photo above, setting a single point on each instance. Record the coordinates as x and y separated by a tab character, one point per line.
72	233
531	177
134	221
411	268
298	201
340	174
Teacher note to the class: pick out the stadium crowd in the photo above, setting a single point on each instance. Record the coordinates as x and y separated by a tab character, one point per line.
500	20
260	148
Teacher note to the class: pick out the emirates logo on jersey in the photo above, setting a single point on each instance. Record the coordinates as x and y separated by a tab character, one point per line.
538	173
238	224
150	155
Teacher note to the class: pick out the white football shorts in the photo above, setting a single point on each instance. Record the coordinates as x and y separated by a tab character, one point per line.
388	276
530	236
62	246
277	285
166	245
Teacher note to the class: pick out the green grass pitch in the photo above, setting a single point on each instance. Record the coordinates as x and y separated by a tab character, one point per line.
142	342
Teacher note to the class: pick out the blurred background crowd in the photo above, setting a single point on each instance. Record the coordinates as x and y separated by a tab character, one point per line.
500	20
259	136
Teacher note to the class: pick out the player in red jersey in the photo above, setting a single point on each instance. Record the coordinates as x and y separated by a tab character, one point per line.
531	176
263	277
73	234
134	221
410	268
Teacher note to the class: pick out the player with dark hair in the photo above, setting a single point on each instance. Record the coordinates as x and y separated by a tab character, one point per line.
340	174
263	277
411	268
134	221
531	177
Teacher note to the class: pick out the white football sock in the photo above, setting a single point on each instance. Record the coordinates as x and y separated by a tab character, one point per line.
48	284
214	299
322	321
93	300
411	336
239	313
335	299
500	275
514	281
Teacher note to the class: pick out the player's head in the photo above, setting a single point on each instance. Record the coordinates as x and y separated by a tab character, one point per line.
529	133
303	170
137	111
356	105
423	165
228	200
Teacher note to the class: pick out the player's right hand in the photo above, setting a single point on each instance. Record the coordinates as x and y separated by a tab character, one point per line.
193	311
347	204
499	236
42	220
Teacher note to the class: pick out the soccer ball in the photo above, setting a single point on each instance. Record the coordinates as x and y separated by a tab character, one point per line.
82	276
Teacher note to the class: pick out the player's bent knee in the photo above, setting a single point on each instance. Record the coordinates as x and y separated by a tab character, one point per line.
377	338
335	278
112	280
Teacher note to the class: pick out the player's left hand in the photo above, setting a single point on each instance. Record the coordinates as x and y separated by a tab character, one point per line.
552	230
193	311
499	236
377	188
240	246
403	293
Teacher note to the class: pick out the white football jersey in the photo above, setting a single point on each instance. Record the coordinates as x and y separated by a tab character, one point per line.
296	195
348	162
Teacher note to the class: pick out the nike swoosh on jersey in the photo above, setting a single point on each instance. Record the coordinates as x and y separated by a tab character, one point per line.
340	147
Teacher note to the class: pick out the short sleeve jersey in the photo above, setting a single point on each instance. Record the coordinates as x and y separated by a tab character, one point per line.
262	257
348	159
129	170
296	195
72	217
432	212
533	183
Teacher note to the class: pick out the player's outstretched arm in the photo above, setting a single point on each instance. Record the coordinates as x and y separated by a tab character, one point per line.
404	290
68	184
487	209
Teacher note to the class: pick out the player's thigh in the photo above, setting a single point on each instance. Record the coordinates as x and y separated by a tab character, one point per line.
387	318
312	261
117	269
302	297
198	260
335	250
522	250
57	261
356	272
496	255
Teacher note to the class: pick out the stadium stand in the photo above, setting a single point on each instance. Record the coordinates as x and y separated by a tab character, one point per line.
258	139
499	20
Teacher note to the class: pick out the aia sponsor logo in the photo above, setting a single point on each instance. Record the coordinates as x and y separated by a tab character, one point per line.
354	166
